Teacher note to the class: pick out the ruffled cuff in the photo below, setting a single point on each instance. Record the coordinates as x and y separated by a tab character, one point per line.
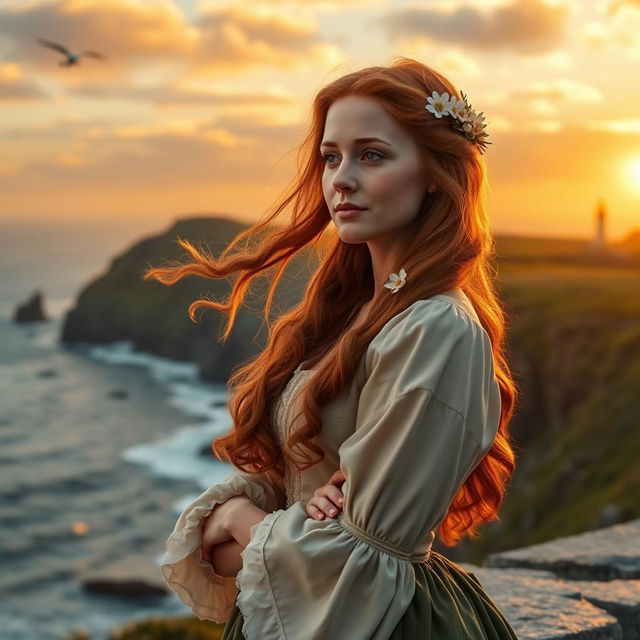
194	580
252	583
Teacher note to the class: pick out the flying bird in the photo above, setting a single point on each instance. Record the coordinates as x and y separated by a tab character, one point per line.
72	58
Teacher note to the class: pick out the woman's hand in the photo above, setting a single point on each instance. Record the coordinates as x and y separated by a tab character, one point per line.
327	499
231	520
214	530
226	532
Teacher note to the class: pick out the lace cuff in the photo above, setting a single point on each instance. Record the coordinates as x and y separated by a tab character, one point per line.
194	580
255	602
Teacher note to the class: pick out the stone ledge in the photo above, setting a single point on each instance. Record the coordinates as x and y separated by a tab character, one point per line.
581	586
603	554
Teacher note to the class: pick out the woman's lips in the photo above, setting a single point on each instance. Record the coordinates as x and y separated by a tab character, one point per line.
347	214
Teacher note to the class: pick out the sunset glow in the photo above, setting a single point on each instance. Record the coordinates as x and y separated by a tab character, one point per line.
200	106
632	174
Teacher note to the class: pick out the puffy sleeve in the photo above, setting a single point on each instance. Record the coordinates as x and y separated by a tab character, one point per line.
210	595
427	414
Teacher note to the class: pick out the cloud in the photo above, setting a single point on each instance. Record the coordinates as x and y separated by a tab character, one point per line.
617	5
233	37
546	99
628	126
560	90
126	32
122	171
166	95
14	88
522	26
102	160
621	31
135	36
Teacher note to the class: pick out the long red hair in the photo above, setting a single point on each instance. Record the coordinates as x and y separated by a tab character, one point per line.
452	247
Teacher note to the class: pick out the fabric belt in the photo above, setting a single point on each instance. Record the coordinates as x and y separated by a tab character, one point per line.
392	550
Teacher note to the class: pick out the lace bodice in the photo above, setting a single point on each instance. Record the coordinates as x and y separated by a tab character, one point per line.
283	417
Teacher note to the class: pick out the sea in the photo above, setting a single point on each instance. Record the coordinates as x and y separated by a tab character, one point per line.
100	445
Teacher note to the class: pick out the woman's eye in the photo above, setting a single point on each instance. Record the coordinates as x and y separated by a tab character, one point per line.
376	152
326	156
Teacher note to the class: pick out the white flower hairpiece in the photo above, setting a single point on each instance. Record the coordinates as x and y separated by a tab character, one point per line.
397	280
467	122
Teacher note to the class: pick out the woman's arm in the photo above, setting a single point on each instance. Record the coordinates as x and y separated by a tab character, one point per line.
238	515
234	518
226	558
186	569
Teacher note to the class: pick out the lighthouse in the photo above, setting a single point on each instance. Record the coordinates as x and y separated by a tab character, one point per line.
599	243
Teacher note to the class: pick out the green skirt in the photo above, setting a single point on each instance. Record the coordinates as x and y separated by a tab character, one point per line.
449	604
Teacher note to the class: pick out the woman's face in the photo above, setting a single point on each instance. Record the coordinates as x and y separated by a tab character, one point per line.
385	176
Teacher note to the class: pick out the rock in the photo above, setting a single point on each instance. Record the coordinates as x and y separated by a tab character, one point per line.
206	451
620	598
47	373
534	601
126	578
126	589
119	394
604	554
31	310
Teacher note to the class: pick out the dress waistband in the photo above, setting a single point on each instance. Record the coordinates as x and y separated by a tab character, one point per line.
392	550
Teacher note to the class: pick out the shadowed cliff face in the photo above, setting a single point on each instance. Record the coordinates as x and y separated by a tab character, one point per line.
574	347
120	305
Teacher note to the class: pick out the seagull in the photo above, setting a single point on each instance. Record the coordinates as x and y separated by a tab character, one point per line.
72	58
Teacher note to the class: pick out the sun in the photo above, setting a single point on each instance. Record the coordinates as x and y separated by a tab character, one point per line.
632	173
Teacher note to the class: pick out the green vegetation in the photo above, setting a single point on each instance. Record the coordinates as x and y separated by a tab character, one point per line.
574	340
161	629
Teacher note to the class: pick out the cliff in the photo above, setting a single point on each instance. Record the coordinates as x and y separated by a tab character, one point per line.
120	305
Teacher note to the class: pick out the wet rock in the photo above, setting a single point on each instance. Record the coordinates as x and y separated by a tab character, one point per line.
31	310
127	578
126	589
47	373
119	394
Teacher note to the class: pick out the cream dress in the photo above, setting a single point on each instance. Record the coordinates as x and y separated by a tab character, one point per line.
420	414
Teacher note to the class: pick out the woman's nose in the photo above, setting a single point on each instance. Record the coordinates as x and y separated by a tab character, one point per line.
344	180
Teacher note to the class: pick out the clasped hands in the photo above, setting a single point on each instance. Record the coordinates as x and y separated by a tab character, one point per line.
226	531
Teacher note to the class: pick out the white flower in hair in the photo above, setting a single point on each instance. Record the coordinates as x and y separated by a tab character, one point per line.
439	104
459	110
467	122
396	280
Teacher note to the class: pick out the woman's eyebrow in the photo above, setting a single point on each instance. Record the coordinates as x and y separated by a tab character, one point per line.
328	143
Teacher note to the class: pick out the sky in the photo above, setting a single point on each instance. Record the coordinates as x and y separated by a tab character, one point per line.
198	106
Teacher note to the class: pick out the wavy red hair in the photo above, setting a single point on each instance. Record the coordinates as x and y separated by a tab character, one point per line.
452	247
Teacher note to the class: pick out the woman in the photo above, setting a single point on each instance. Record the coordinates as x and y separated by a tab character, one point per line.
391	373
